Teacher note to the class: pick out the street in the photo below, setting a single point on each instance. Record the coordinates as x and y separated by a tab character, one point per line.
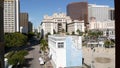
32	59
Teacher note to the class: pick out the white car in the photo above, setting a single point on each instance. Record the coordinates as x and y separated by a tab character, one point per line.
41	60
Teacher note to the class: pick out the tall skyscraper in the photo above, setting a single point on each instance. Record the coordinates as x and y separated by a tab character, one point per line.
24	22
78	11
11	16
1	35
30	26
99	12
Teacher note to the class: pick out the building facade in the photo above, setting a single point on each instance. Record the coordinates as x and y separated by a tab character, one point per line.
30	26
112	13
24	22
55	23
108	27
78	11
11	16
74	26
99	12
65	51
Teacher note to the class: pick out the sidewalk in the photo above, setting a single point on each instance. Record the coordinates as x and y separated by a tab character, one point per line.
100	57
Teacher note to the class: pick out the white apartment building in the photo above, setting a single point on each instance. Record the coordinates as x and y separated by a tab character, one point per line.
99	12
74	26
65	51
108	27
57	22
11	16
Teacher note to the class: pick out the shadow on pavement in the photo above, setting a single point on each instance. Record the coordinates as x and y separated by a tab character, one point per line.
26	63
87	66
29	49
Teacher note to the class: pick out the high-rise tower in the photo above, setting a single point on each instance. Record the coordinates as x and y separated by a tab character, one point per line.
11	16
78	11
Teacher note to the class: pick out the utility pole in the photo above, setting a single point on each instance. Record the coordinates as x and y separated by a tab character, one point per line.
1	35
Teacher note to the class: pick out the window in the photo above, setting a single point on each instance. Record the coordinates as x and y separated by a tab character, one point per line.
61	45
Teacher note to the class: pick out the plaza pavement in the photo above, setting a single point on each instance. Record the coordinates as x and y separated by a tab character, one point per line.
99	52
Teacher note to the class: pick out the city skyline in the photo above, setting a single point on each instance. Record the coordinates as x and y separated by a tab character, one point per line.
40	8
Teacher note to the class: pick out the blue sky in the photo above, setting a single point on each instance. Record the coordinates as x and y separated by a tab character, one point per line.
38	8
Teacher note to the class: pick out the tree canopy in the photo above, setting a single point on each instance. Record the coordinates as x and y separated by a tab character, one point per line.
15	39
15	57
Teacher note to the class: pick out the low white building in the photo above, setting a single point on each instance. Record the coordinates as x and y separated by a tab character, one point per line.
65	51
74	26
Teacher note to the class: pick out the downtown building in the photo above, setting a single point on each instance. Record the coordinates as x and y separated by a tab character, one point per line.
24	22
84	11
11	16
107	27
65	51
78	11
56	23
59	23
100	12
30	26
74	26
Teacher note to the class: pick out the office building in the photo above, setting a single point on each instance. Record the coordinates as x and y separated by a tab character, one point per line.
11	16
75	25
1	35
24	22
112	13
78	11
30	26
55	23
65	51
99	12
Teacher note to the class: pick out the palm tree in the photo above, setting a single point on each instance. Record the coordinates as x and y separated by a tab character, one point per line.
43	46
73	33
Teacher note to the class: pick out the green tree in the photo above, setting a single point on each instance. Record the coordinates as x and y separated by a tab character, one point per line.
95	34
73	33
16	57
67	33
38	35
108	43
46	36
43	45
79	32
31	34
15	40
